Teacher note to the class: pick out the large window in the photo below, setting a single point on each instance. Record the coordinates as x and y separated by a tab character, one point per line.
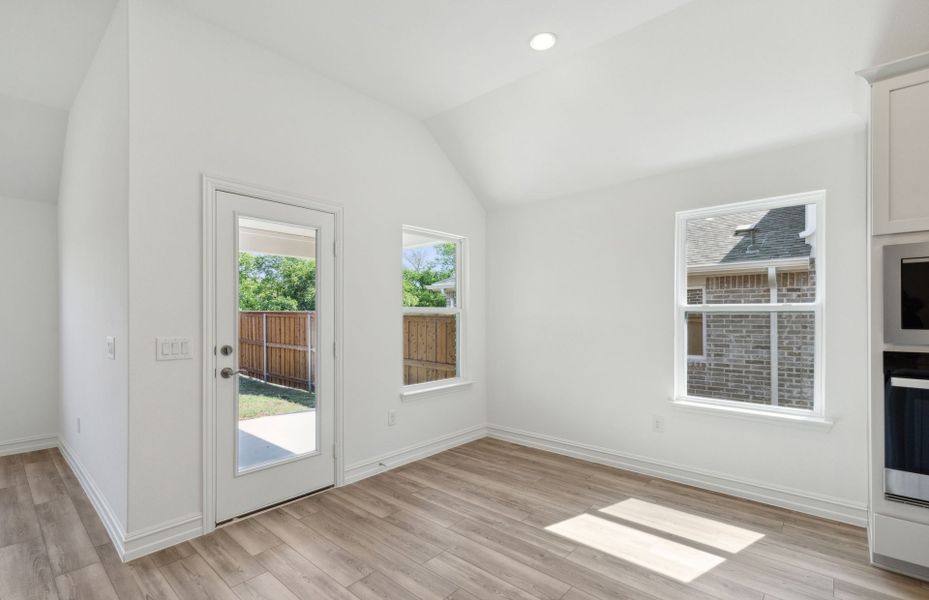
749	305
434	301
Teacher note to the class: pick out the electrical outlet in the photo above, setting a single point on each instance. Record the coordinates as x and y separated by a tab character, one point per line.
658	424
109	347
391	417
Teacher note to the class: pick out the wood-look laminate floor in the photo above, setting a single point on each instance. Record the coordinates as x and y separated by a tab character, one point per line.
486	520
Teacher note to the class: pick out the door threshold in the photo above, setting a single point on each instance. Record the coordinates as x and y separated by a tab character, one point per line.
272	507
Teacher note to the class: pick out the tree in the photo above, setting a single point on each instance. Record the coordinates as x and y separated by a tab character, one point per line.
447	258
270	283
421	271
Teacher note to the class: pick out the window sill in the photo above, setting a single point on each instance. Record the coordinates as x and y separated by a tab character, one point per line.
749	414
440	389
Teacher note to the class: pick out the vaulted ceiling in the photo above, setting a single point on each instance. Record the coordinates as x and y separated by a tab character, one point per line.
633	88
425	56
712	79
46	47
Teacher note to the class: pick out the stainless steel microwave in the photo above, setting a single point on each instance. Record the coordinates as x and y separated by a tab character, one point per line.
906	294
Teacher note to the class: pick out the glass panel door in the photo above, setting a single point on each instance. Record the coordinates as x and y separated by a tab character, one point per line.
275	391
276	407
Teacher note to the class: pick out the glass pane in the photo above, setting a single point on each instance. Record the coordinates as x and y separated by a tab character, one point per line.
736	362
729	256
277	342
430	280
430	277
914	297
796	335
430	348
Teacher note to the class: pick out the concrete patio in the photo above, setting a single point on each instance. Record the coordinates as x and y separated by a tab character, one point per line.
271	439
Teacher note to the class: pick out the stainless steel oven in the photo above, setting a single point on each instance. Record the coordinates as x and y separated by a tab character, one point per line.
906	427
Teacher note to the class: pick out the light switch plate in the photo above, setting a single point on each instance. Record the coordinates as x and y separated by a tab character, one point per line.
109	348
173	348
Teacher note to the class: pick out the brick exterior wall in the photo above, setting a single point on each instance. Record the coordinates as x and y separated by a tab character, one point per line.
796	336
736	362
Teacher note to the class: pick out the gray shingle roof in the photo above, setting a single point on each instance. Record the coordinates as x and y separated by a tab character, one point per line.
777	235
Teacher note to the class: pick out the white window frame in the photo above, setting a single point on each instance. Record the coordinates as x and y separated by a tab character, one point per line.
460	309
818	412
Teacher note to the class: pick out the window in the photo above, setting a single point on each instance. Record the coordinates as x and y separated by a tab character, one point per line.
749	305
434	302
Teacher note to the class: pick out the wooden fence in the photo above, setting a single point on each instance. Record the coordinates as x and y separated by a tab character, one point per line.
430	348
279	347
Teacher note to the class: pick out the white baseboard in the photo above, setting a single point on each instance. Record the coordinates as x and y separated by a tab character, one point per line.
361	470
822	506
111	522
133	544
28	444
161	536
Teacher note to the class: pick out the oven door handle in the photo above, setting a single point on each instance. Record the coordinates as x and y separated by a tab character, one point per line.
909	382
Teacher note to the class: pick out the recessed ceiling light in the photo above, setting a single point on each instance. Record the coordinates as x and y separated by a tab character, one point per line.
543	41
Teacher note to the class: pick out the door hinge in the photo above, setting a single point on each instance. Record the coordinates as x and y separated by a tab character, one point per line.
334	249
333	452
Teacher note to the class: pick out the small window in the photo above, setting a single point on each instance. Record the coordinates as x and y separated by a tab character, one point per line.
749	306
433	305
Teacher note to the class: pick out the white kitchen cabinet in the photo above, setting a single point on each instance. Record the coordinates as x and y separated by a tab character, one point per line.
900	149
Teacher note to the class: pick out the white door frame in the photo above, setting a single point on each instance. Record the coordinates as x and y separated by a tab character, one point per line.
212	185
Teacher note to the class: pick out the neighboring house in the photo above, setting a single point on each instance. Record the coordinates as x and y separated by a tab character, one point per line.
447	287
752	257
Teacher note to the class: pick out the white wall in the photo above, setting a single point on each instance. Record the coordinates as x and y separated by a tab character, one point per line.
204	101
580	326
94	269
31	141
29	322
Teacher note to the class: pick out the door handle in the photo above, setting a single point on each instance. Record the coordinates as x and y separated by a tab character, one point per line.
229	372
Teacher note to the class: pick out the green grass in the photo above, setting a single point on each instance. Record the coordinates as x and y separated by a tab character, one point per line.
260	399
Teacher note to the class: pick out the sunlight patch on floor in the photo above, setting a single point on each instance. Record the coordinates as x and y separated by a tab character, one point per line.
702	530
658	554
